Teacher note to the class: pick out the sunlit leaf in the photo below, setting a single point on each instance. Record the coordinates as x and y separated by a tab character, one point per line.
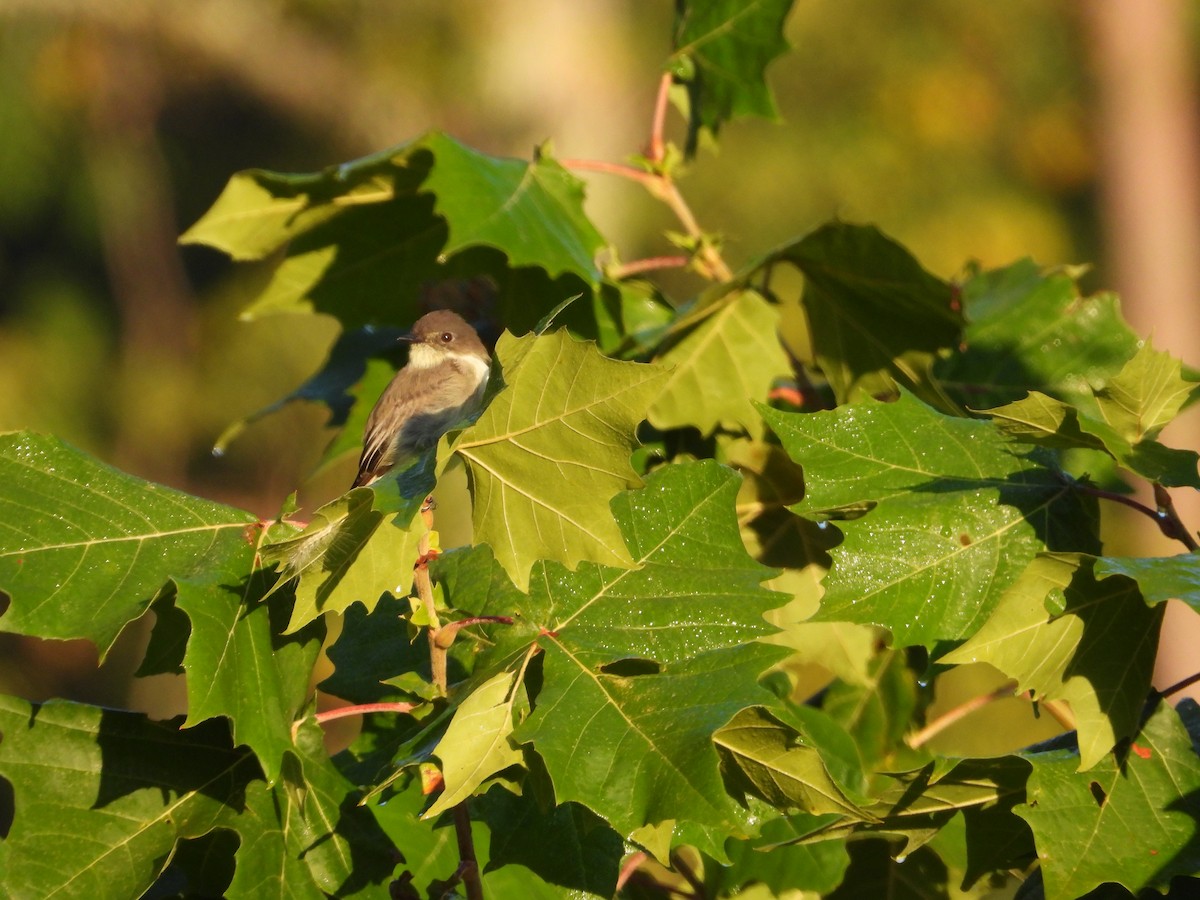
1098	654
1159	578
954	515
552	449
477	744
626	651
240	664
1130	411
84	548
101	797
876	714
363	241
1145	395
356	548
915	805
335	386
258	212
721	366
567	845
775	859
782	769
587	723
532	211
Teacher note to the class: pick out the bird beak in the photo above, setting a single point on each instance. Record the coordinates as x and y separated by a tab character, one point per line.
408	338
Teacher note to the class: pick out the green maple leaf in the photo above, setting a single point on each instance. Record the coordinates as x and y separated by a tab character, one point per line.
356	548
532	211
373	650
952	514
477	744
638	750
568	845
1031	330
1145	395
107	796
84	548
721	366
685	618
1042	420
362	240
346	383
259	212
877	318
1130	411
544	459
1159	578
1097	653
916	805
777	860
722	48
785	771
552	449
877	713
238	661
1130	820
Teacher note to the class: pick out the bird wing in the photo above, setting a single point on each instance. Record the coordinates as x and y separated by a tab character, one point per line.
380	434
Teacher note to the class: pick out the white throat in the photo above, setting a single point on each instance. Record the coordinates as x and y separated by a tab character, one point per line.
480	368
422	356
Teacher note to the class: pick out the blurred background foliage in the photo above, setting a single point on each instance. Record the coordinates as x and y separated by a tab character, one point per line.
968	131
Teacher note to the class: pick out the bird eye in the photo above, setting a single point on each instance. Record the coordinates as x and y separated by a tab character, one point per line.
447	337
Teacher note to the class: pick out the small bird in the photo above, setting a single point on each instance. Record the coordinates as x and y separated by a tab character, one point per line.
442	383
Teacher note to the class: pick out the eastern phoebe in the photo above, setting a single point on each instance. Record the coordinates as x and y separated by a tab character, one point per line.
441	384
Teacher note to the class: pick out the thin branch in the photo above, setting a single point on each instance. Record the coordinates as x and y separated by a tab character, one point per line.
656	150
437	653
1165	517
357	709
1181	685
468	867
710	258
629	867
662	187
1102	494
448	632
1059	712
948	718
648	265
641	176
1169	522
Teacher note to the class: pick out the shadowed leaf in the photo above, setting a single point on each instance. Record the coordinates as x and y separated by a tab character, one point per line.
722	48
1130	820
954	514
